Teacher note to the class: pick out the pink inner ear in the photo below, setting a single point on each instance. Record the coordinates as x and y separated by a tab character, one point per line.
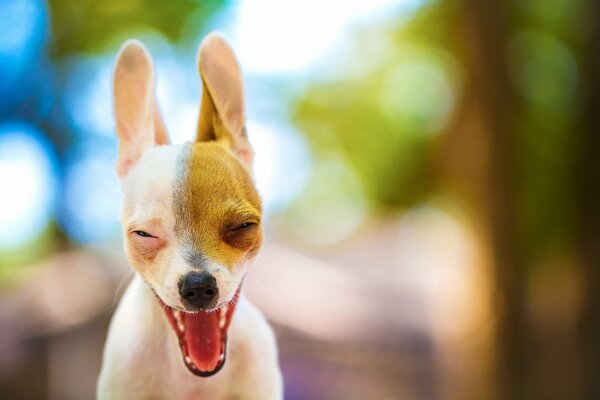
123	166
129	155
161	136
139	122
245	155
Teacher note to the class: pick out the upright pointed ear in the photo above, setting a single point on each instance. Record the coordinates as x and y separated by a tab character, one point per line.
138	119
222	114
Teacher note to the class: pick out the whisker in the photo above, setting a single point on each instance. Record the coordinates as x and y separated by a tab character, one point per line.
120	285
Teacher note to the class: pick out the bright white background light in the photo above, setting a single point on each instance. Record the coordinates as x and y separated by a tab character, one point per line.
281	163
27	183
274	36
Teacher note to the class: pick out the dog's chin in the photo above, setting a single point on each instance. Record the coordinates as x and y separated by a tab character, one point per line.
202	335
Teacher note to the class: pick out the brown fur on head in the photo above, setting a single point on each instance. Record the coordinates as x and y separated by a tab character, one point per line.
190	207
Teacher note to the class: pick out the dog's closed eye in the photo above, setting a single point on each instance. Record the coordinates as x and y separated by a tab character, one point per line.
243	226
241	235
144	234
145	244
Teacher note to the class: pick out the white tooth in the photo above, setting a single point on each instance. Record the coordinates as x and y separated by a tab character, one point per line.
222	357
188	359
222	322
177	314
224	309
180	326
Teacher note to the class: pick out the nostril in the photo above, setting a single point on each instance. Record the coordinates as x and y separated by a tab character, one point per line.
198	289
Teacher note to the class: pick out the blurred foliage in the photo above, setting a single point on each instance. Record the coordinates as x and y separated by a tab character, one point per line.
17	263
382	107
89	25
387	101
544	54
390	100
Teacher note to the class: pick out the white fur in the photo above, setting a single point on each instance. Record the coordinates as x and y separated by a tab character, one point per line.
142	359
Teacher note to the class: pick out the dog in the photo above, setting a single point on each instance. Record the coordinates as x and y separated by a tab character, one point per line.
191	221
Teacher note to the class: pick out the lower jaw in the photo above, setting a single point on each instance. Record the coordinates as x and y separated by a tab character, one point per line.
229	309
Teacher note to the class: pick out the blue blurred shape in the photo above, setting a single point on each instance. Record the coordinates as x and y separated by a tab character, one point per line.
23	33
87	94
28	180
90	208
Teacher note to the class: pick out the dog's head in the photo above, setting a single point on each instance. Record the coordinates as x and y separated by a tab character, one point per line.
191	214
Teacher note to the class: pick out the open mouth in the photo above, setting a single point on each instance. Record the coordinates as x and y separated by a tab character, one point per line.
202	336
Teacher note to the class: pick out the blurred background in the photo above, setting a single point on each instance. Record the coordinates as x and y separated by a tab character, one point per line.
428	167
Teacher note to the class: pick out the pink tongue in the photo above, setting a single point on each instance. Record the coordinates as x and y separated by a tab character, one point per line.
203	339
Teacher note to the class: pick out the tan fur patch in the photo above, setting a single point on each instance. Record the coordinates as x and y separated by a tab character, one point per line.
214	198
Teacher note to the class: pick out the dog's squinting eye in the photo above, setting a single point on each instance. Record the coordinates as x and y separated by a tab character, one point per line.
242	236
243	226
143	234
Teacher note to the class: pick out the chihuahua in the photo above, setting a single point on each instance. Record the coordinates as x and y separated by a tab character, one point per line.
191	219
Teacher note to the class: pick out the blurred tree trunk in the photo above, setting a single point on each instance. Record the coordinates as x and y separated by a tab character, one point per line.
588	179
478	161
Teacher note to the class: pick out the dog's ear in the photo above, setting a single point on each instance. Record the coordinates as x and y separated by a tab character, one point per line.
138	118
222	115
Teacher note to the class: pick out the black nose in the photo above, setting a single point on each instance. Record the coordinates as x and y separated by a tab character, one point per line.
199	290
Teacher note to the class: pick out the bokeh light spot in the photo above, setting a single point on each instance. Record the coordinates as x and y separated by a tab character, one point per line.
332	207
28	181
281	164
303	32
91	198
545	71
87	95
21	38
420	93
